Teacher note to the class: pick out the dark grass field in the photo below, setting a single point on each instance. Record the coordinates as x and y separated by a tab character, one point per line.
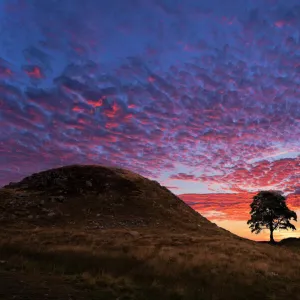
45	263
90	232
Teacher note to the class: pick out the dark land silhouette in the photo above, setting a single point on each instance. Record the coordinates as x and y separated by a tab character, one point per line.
93	232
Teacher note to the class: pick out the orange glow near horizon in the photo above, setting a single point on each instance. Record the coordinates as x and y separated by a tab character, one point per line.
231	211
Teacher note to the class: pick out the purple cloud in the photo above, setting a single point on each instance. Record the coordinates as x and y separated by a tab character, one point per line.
206	91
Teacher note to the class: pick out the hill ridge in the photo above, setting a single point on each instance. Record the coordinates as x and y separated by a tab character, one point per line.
96	196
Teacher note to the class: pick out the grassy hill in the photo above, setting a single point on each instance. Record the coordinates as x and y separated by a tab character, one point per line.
91	232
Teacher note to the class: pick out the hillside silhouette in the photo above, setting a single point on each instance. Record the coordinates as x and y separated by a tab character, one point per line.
94	232
97	197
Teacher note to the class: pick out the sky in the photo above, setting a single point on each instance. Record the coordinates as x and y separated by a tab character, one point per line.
202	96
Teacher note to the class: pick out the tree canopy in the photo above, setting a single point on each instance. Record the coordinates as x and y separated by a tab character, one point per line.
269	211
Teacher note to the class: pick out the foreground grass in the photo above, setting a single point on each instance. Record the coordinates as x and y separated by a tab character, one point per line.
114	264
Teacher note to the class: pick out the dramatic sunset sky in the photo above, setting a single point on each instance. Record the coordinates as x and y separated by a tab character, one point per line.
200	95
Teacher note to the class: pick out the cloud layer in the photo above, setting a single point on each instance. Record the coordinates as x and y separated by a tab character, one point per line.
231	207
198	91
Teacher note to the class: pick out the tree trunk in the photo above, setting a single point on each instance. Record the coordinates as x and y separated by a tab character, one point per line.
271	235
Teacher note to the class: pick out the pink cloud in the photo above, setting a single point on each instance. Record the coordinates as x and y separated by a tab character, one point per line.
183	176
34	72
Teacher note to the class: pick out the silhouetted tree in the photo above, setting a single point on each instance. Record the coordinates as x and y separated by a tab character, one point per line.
269	211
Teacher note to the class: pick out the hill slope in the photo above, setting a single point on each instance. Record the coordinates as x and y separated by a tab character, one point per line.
94	196
91	232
